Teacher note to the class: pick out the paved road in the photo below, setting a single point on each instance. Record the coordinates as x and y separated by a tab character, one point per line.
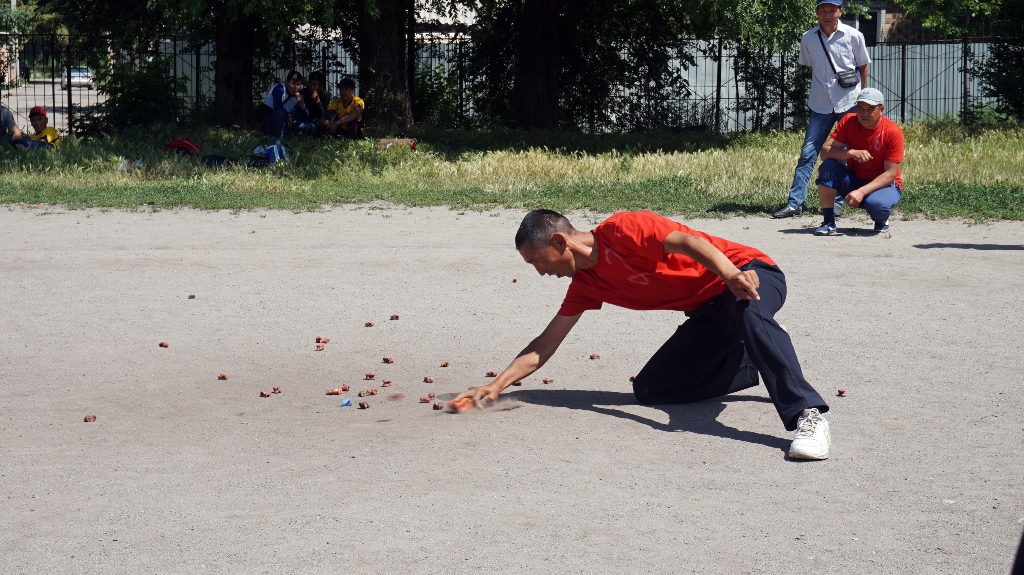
182	473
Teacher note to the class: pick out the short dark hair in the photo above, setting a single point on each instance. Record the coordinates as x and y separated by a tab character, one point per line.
539	225
346	83
317	77
293	75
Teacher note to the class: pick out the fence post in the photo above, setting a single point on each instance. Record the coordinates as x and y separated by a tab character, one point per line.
782	89
412	55
53	71
966	104
718	90
462	86
67	72
198	72
903	83
174	50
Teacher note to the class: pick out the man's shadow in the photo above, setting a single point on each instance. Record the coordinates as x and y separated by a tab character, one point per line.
700	417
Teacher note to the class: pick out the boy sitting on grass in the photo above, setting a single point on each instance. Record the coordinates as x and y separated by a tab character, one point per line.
345	113
7	123
45	136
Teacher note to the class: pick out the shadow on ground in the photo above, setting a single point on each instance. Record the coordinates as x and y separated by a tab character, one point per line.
984	247
700	417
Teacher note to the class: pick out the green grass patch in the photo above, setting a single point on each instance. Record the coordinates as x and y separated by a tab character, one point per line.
948	172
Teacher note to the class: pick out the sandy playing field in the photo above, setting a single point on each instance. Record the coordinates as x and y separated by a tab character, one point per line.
183	473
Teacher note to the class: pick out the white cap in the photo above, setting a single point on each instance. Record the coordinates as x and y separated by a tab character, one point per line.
871	96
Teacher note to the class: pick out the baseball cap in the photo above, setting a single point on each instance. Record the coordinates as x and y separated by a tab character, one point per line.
871	96
37	111
833	2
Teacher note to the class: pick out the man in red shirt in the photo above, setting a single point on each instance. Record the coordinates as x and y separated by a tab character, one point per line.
862	164
730	293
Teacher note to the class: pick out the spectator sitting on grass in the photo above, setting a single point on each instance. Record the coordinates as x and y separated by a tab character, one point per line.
45	136
345	113
275	113
7	123
313	101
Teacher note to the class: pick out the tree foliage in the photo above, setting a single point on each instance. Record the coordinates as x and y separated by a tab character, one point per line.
954	17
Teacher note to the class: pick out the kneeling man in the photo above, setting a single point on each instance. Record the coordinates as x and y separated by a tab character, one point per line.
729	292
862	164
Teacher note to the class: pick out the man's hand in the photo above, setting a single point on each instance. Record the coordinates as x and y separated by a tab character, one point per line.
859	155
489	392
528	361
855	198
744	284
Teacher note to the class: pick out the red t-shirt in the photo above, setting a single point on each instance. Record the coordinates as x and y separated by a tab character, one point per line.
885	143
634	272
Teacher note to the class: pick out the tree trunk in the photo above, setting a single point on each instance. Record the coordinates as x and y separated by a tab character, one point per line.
383	76
539	64
235	42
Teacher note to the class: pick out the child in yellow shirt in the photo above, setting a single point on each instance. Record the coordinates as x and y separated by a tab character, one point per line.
344	115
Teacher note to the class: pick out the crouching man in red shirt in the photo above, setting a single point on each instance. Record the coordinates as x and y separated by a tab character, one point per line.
729	292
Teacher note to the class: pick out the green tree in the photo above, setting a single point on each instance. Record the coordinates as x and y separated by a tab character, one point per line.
609	63
241	30
954	17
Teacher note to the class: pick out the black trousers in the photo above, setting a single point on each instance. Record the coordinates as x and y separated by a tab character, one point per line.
723	346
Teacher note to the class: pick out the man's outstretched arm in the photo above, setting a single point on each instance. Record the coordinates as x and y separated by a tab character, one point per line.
742	284
533	356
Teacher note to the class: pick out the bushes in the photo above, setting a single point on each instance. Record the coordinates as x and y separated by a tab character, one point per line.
1002	75
137	93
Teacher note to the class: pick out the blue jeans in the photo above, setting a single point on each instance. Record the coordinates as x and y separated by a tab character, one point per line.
818	129
878	204
31	144
274	125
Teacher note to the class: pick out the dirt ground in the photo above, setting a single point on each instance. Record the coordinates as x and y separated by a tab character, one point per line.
183	473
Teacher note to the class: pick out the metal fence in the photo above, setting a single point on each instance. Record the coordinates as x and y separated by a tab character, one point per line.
920	81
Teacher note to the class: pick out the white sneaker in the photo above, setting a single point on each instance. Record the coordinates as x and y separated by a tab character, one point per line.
812	436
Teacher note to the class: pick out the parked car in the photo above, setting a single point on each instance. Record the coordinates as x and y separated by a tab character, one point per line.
81	77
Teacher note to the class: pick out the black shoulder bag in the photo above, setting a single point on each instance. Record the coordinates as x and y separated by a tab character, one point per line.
847	78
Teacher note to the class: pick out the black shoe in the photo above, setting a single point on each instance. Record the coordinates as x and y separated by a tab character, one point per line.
786	212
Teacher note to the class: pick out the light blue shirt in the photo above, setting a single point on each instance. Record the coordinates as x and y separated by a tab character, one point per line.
848	51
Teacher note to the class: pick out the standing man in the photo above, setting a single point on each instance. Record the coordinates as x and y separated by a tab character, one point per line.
861	163
729	292
829	101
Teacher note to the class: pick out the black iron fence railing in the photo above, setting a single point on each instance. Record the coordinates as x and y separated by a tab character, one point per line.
726	89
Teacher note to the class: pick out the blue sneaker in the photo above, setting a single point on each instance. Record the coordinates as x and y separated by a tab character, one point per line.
882	226
827	230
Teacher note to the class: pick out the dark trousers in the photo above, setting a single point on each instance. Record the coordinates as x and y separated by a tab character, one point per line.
274	122
723	346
